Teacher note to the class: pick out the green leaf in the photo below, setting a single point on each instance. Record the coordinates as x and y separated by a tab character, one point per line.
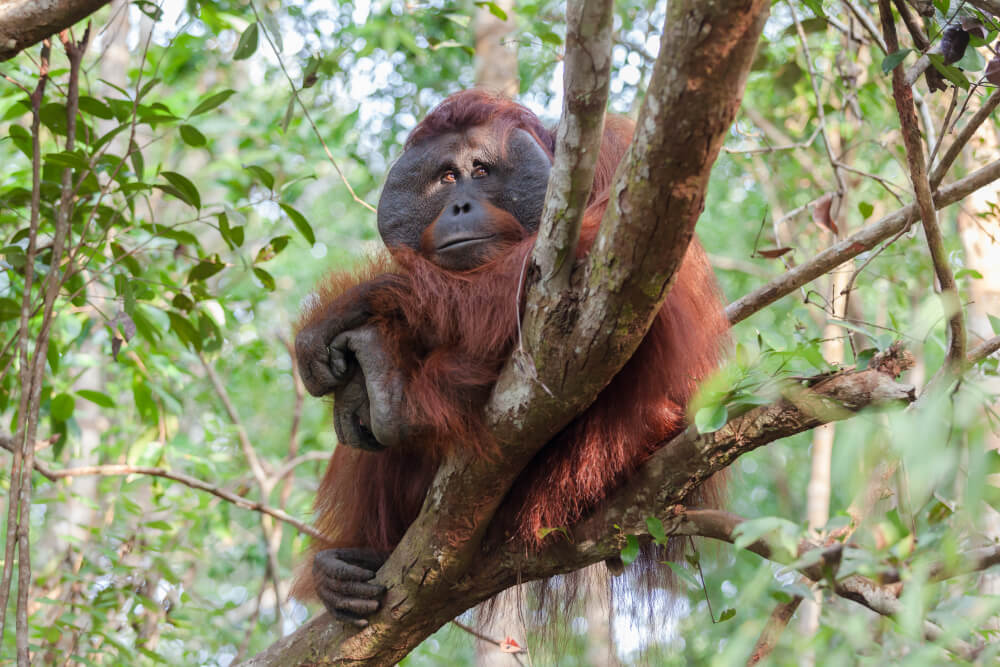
182	301
233	236
61	407
248	43
192	137
971	61
184	330
14	255
542	533
263	174
949	72
894	59
549	37
126	259
816	6
780	534
771	339
972	273
212	101
271	250
73	160
144	402
726	615
655	527
995	324
9	309
300	223
865	357
494	8
265	278
205	269
138	162
711	418
188	192
631	550
100	398
683	574
52	356
865	209
95	107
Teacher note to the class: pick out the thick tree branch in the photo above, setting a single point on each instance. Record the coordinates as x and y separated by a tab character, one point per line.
671	473
27	22
585	95
695	90
692	457
854	245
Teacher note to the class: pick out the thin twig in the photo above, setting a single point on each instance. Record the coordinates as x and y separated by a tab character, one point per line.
773	149
291	464
963	138
944	127
500	644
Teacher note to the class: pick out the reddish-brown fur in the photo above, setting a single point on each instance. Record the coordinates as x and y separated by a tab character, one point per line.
450	334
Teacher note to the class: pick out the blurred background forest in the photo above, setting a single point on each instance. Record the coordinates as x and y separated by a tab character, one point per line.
214	149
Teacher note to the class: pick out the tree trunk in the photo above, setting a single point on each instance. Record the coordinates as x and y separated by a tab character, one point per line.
496	53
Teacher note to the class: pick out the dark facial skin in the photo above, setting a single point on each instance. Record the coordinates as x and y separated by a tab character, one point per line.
456	196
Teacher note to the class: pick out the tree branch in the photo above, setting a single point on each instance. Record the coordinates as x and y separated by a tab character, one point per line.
984	349
852	246
903	95
585	95
692	457
24	23
776	623
53	474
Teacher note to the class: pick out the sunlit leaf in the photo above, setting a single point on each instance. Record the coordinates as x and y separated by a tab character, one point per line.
62	407
894	59
248	43
300	222
184	189
631	550
96	397
192	137
212	101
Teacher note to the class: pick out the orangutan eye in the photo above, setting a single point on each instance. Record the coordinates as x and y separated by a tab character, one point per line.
479	171
449	177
